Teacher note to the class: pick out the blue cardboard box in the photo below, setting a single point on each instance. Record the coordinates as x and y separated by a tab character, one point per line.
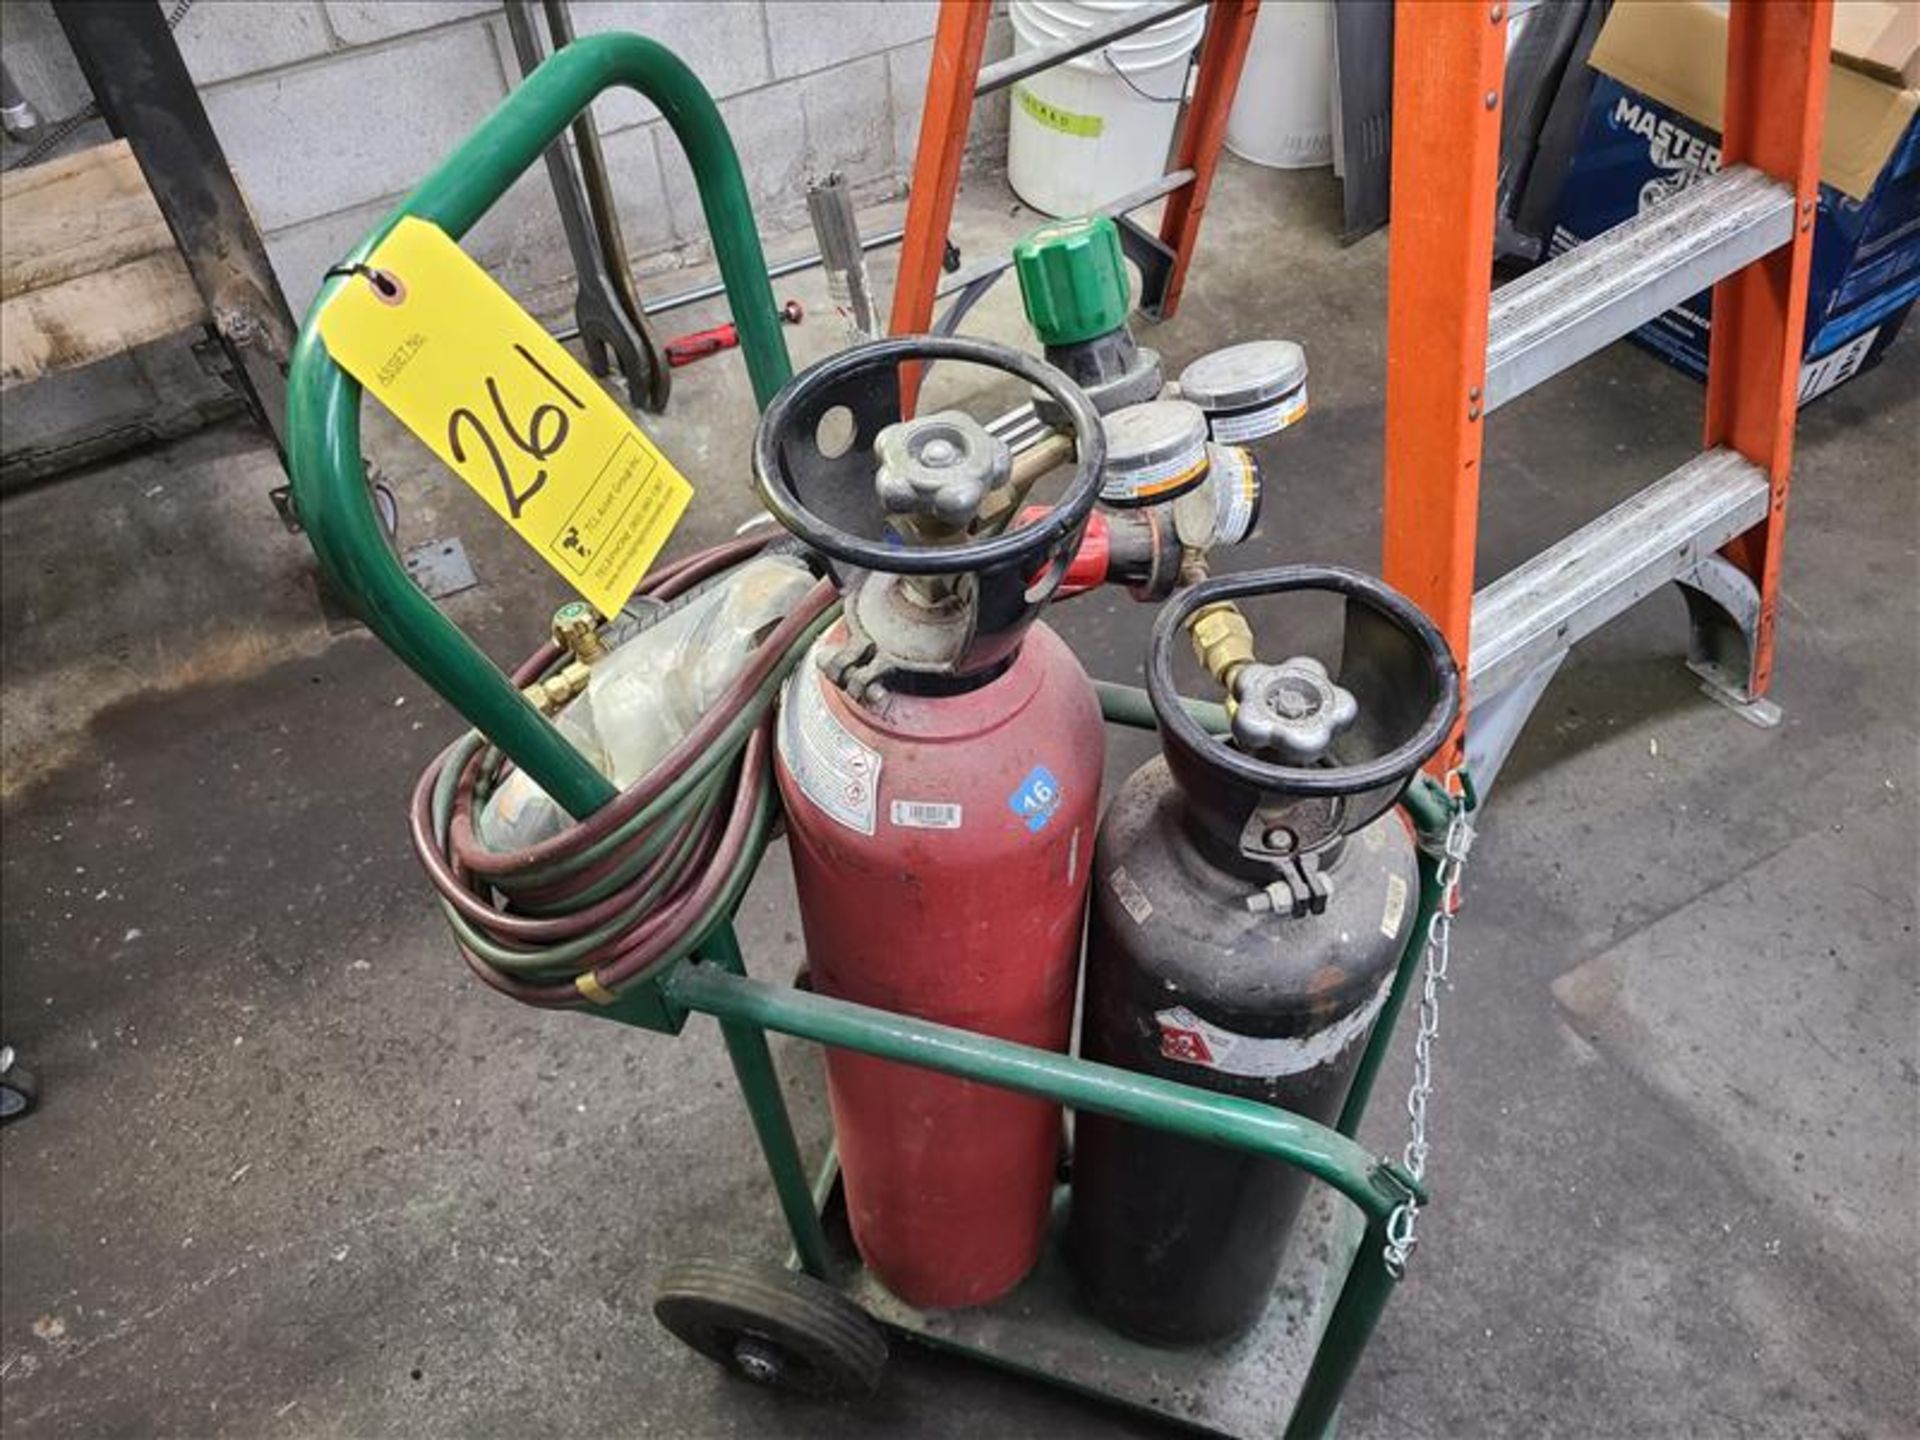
1635	152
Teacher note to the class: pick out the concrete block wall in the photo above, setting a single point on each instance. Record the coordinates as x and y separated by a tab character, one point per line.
330	109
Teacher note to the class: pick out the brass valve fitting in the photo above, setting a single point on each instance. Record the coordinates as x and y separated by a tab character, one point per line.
576	629
1222	640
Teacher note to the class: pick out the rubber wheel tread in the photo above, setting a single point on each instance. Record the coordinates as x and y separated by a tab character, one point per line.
832	1347
26	1091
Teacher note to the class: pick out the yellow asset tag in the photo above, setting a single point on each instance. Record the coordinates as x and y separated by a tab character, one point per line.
441	345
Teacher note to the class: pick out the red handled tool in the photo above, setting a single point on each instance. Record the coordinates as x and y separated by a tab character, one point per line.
701	343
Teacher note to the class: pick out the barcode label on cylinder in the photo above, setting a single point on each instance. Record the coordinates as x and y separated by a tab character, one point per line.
1131	897
924	814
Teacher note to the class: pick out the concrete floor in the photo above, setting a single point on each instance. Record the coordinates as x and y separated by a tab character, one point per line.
295	1174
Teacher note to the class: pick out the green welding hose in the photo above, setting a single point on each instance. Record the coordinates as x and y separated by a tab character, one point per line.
611	901
1128	705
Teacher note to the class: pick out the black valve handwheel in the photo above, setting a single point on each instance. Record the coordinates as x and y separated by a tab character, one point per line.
1408	680
819	499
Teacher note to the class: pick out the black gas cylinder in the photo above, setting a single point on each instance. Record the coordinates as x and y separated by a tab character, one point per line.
1252	896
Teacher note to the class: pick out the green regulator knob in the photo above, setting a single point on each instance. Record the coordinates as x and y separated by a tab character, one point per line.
1073	279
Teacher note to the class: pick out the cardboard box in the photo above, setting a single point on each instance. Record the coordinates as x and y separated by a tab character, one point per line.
1675	51
1652	128
1880	38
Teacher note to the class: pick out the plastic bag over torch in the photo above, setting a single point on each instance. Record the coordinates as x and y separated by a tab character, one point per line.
649	692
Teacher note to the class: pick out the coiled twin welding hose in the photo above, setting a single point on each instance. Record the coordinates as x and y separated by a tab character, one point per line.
636	886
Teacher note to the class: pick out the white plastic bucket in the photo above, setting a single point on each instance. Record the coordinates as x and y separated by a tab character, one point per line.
1282	114
1094	127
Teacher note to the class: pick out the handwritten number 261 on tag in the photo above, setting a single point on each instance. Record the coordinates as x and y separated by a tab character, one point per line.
546	431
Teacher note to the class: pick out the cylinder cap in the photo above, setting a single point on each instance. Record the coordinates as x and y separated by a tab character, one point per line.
1073	279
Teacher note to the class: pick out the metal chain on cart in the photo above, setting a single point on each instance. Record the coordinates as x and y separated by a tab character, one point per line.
1455	844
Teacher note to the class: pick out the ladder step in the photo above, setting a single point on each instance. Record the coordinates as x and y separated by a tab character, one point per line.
1587	297
1568	591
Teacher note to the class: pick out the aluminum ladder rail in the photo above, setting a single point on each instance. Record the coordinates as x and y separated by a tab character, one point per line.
1456	350
956	78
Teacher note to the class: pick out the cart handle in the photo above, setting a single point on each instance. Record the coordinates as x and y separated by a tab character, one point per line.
323	401
1376	1186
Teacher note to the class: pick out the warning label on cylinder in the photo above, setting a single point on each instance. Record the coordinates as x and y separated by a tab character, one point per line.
829	764
1194	1040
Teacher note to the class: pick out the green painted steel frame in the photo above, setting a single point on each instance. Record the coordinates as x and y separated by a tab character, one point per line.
718	986
716	989
323	401
330	491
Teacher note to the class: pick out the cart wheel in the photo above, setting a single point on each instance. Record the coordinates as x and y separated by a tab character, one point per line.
17	1092
780	1329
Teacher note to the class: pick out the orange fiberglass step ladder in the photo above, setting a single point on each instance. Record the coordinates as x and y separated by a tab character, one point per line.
956	79
1457	349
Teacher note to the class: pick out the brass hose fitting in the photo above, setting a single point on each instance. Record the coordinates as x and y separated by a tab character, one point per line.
1222	640
557	689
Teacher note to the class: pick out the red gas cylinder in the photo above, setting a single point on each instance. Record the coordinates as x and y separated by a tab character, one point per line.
940	847
939	758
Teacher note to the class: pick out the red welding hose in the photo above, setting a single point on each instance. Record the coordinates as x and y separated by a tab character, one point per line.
658	932
683	575
455	884
498	914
